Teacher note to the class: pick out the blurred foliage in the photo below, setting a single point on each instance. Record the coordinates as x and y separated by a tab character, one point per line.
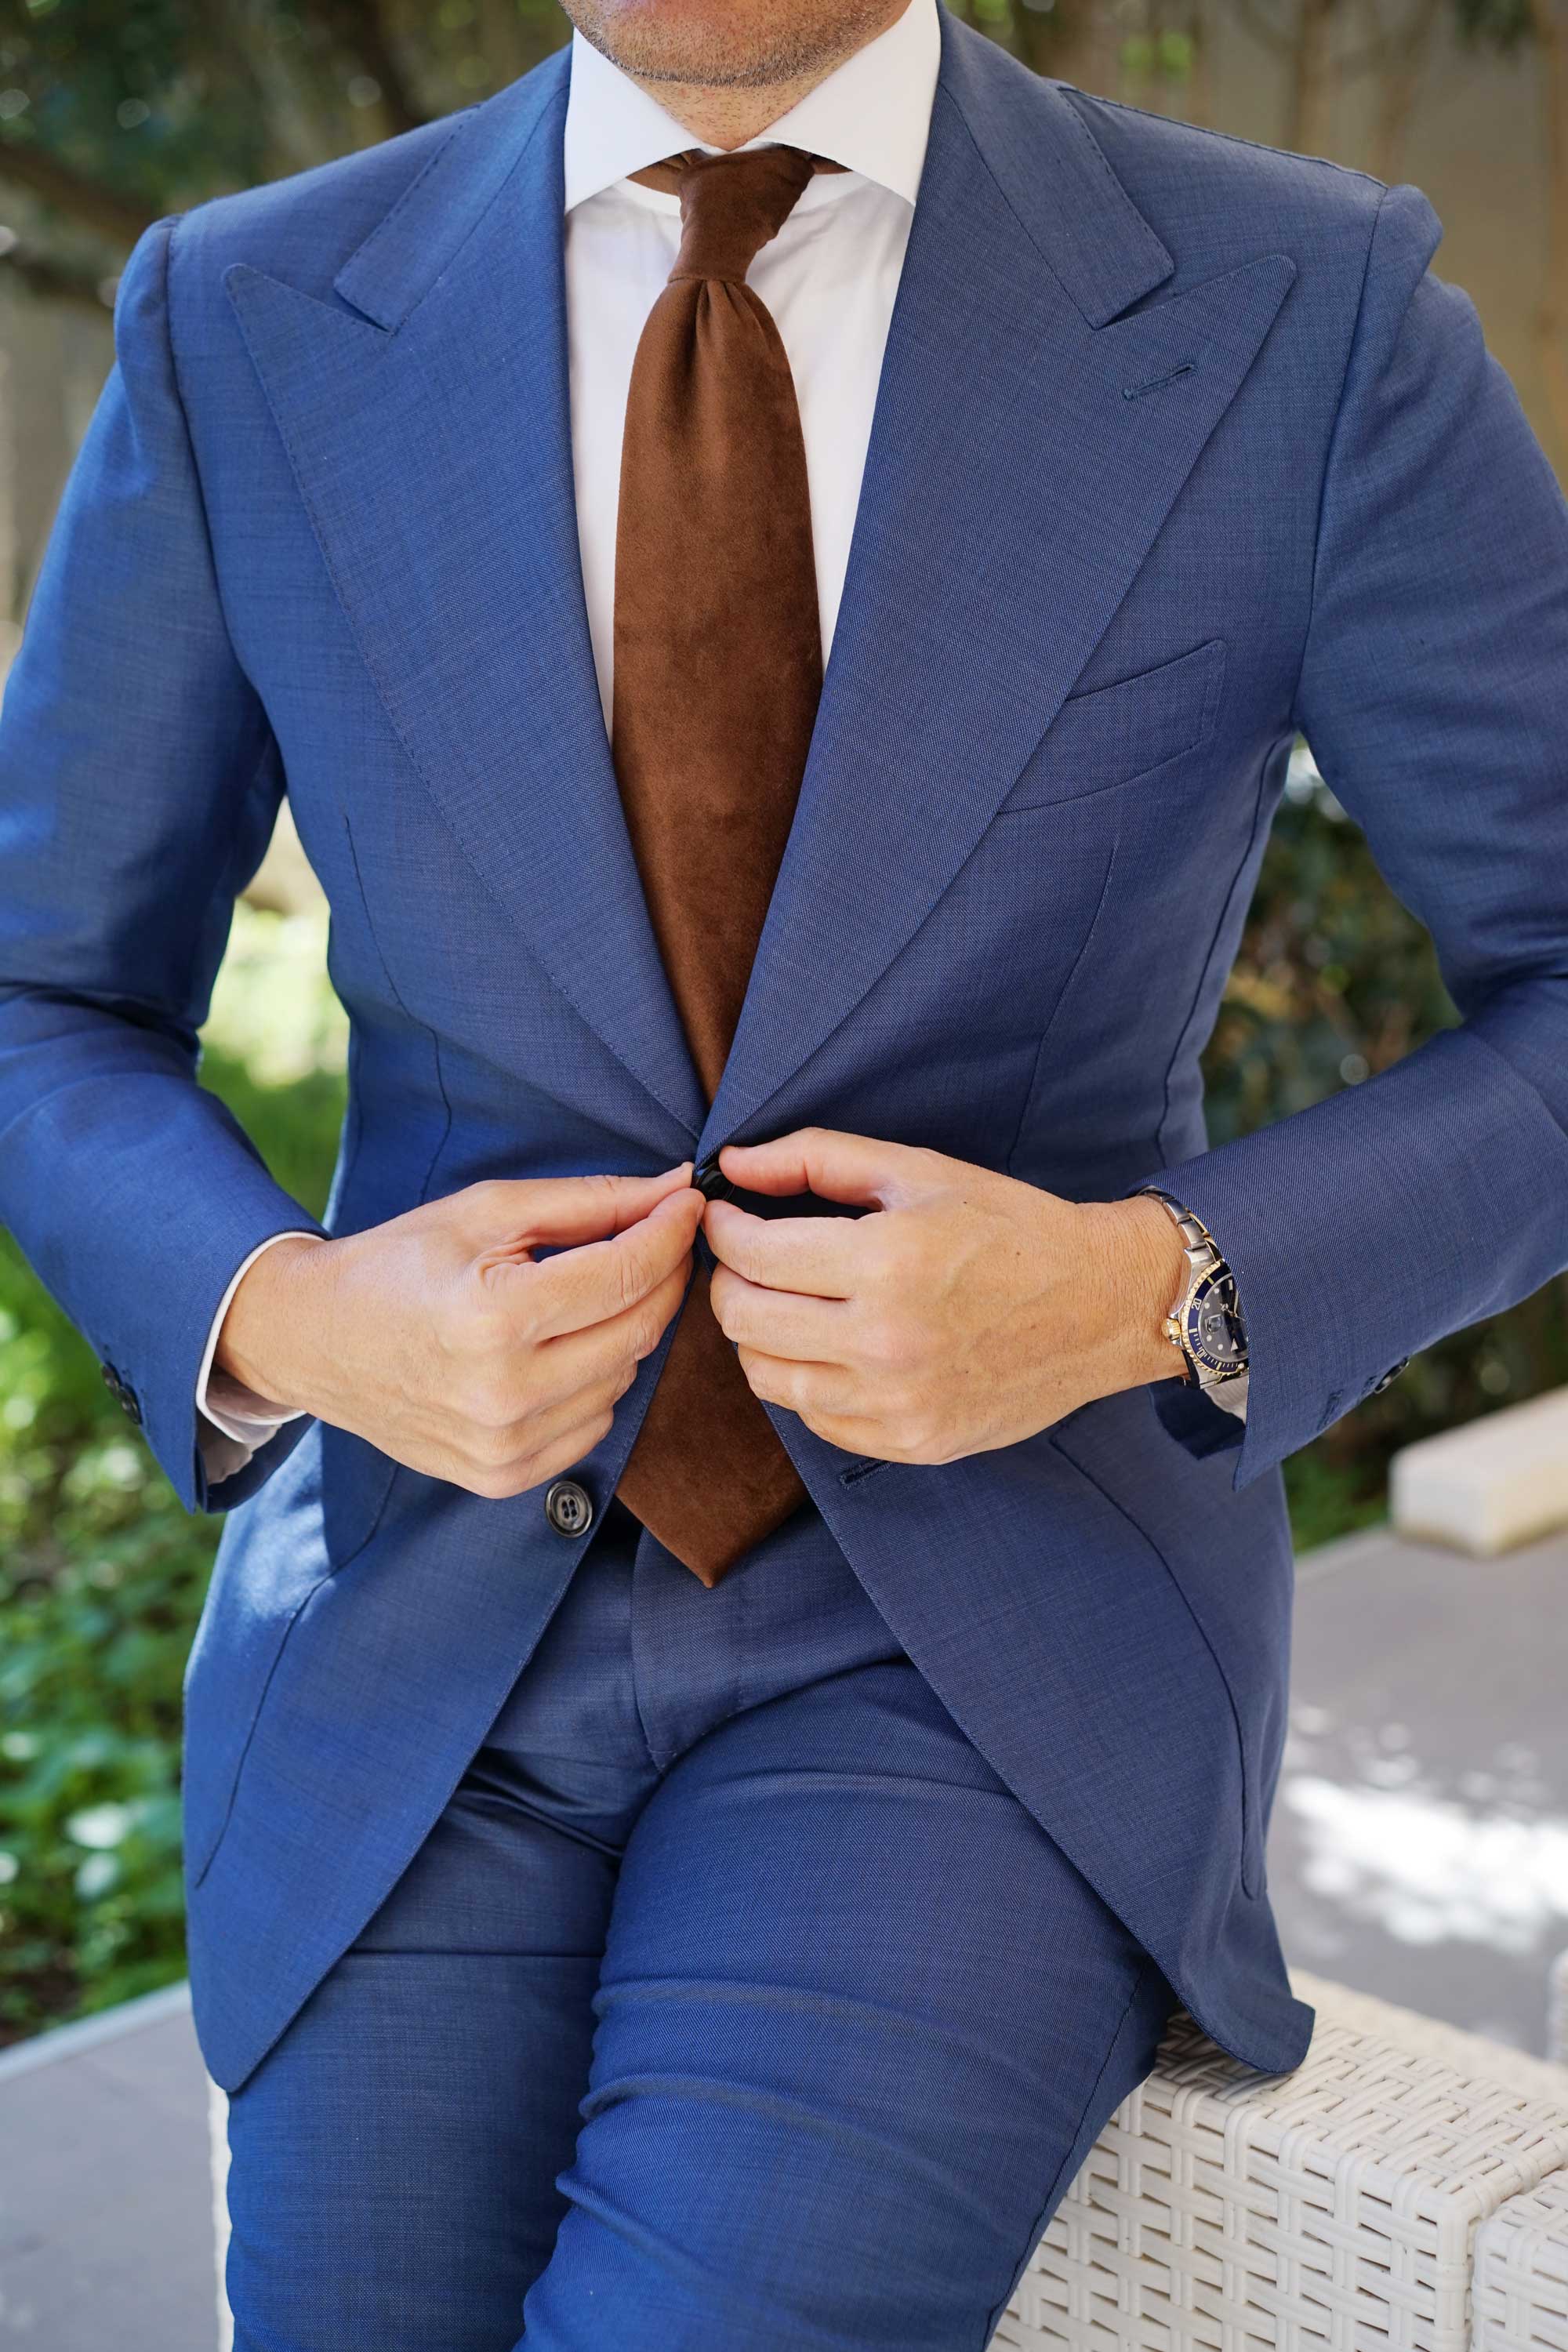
155	98
1335	980
102	1572
1504	24
142	107
113	112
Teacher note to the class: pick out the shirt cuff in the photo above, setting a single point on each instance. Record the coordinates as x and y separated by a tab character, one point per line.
233	1420
1230	1395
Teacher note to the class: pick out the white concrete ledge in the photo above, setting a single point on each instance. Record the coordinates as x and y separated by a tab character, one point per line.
1497	1482
91	2033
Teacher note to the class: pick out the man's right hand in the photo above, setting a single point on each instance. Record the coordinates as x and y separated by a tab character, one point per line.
441	1339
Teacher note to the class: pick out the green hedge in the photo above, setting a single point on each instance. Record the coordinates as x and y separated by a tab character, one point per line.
102	1583
1333	983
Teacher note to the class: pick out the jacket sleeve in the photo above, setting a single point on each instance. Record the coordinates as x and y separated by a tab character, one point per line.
139	785
1434	694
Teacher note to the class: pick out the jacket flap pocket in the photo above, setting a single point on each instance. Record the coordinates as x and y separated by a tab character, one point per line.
1116	733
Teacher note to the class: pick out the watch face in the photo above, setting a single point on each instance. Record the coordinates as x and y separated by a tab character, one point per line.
1215	1332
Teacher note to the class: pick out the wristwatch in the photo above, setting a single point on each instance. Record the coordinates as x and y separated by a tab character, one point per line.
1205	1325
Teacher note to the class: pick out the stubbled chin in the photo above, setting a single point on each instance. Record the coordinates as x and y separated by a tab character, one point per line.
712	44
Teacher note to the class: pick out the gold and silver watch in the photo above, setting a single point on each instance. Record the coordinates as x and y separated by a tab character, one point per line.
1205	1325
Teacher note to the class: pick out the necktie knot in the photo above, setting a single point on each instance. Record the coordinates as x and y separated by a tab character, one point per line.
730	205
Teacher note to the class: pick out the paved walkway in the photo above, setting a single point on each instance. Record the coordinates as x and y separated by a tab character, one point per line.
1420	1838
1420	1851
105	2207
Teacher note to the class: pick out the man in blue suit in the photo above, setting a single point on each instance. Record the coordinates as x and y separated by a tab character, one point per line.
596	1952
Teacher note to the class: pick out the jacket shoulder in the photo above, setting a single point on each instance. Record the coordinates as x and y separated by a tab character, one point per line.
1218	199
304	227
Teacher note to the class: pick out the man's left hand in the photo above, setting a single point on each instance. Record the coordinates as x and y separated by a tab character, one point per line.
969	1311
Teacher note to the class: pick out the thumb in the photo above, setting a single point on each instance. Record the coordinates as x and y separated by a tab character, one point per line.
562	1211
827	1160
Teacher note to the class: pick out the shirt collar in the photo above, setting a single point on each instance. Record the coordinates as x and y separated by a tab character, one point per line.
872	113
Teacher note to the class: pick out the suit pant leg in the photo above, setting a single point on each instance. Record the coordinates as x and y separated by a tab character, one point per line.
393	2158
859	2022
392	2185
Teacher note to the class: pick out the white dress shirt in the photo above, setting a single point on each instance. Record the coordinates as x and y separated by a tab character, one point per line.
828	277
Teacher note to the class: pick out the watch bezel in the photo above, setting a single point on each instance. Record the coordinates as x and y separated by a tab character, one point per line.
1218	1281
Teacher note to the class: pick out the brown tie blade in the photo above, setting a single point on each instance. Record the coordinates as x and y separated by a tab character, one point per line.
718	672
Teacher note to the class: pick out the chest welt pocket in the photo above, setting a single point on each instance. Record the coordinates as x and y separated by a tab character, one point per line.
1115	733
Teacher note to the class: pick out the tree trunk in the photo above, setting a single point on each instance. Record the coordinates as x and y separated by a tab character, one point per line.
1399	77
1200	84
1552	316
363	30
1083	49
1307	126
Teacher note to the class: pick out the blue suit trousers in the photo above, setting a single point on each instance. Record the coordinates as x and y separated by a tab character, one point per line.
733	2004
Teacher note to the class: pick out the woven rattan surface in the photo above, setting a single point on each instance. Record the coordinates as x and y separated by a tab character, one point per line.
1336	2206
1521	2272
1542	2078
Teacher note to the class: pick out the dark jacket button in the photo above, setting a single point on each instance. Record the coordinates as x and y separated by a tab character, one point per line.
1392	1374
710	1179
569	1507
124	1394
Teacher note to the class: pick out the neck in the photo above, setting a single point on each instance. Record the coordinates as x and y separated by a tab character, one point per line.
747	98
726	117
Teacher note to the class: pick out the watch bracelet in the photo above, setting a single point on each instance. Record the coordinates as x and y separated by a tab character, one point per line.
1196	1241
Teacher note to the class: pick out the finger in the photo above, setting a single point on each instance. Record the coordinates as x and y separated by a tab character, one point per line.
559	1432
542	1461
564	1210
820	1258
600	1280
838	1166
812	1390
780	1323
588	1379
569	1450
509	1450
854	1434
577	1361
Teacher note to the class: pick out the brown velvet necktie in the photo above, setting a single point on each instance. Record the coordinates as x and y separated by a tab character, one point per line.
718	671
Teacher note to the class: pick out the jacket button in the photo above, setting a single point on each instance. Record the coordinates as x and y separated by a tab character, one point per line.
124	1394
1392	1374
569	1507
710	1179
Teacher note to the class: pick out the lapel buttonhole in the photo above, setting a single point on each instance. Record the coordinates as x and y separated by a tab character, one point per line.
1157	383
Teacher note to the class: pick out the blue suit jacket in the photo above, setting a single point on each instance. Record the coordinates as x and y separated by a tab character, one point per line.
1177	449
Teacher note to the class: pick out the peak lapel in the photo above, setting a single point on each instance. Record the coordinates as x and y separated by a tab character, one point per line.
429	429
1011	494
